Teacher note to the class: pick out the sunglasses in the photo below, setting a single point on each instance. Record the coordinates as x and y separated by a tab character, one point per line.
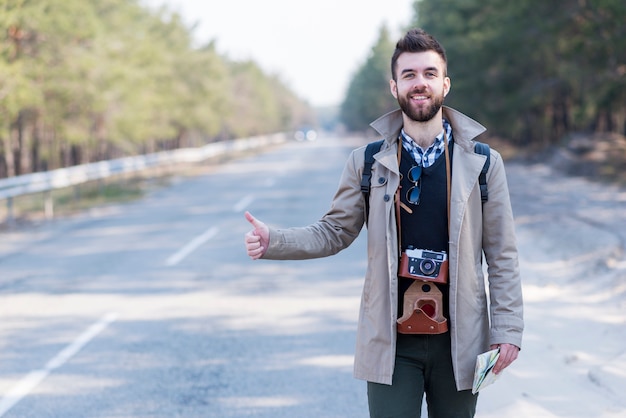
413	194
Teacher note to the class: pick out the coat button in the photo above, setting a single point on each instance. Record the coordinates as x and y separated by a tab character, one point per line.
386	198
381	180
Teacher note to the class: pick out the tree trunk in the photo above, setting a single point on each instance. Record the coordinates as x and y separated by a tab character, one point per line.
7	145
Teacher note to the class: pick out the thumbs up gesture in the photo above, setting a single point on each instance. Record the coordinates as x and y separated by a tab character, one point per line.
257	239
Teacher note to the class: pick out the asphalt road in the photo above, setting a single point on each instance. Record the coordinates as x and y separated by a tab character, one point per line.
152	309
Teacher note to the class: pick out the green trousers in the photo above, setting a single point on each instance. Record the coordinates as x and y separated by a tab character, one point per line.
423	367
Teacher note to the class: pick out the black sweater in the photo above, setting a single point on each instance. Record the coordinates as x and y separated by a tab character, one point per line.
427	227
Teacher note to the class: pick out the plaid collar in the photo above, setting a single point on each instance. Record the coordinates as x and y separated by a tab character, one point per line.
427	157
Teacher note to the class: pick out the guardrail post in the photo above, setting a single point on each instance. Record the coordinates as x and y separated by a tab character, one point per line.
48	205
76	190
10	218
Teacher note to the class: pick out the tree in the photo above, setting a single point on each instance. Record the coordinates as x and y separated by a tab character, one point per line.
86	80
368	94
534	71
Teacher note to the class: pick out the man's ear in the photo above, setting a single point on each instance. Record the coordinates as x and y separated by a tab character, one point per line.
447	85
393	86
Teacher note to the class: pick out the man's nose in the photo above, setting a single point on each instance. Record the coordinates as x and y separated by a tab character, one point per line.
419	82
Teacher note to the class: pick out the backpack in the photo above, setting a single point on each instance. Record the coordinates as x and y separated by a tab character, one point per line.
373	147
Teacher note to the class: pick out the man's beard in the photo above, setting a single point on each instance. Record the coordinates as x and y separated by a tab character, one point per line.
420	115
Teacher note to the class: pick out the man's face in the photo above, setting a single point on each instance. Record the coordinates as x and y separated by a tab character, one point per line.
420	85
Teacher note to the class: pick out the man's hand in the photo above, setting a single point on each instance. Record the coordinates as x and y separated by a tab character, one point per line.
258	239
508	354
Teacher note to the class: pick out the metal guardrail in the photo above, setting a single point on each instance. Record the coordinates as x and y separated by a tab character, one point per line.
66	177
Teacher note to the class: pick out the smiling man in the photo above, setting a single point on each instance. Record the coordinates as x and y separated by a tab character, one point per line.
424	314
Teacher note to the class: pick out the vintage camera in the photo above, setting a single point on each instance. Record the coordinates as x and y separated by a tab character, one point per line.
424	265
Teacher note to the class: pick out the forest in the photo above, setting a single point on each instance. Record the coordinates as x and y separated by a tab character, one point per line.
533	71
90	80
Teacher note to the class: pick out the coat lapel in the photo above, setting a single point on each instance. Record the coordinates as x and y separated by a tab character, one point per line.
466	167
389	158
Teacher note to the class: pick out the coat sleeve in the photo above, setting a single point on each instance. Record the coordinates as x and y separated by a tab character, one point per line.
335	231
500	248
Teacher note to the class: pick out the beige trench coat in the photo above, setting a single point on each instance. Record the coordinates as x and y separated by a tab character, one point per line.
475	322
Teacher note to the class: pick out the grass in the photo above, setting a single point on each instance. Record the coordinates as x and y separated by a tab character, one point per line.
72	200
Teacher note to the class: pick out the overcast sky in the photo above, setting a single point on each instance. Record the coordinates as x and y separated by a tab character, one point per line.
315	46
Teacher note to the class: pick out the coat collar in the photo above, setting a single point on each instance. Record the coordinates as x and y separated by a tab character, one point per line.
464	128
467	164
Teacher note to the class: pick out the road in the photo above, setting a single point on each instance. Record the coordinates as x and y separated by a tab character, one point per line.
152	309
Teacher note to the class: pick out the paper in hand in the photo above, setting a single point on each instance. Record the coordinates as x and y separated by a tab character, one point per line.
484	375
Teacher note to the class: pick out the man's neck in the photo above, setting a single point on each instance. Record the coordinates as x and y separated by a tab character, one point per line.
423	133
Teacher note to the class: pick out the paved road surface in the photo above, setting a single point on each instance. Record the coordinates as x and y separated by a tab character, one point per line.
152	309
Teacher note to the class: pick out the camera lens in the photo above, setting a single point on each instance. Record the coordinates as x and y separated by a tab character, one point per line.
427	267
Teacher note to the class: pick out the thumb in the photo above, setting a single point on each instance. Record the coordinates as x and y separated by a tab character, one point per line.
254	221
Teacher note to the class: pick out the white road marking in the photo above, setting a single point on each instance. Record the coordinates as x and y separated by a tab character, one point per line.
192	246
34	378
243	203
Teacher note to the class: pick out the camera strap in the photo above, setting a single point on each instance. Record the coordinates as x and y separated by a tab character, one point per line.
448	176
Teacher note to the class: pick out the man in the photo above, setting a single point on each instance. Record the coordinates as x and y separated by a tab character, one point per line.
424	180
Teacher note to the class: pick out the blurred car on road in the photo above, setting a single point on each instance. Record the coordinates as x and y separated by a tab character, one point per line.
305	134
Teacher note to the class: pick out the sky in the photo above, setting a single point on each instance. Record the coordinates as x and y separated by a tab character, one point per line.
313	46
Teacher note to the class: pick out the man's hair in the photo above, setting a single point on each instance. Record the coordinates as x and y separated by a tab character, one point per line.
417	40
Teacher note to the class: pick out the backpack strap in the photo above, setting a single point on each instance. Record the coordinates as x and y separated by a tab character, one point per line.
482	148
366	178
373	148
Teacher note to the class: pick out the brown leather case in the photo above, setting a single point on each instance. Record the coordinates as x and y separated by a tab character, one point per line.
422	310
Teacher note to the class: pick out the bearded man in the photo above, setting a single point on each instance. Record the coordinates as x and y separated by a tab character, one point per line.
424	204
